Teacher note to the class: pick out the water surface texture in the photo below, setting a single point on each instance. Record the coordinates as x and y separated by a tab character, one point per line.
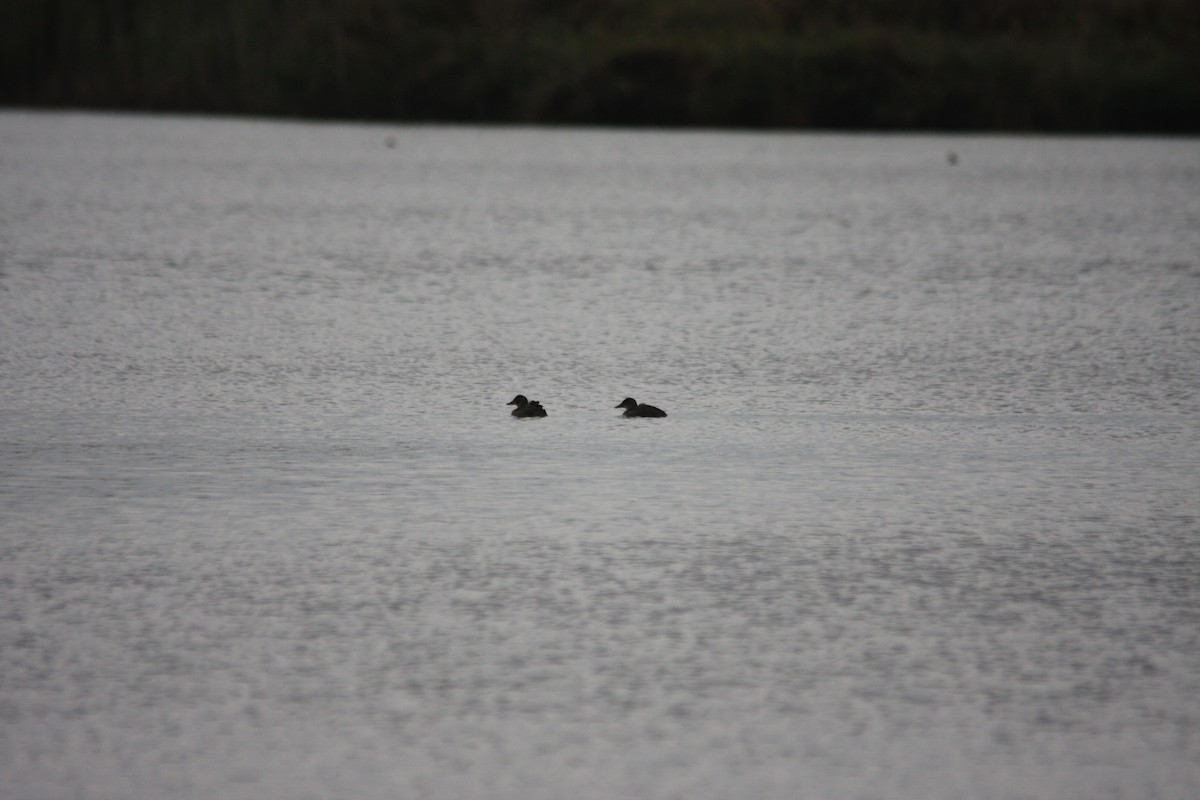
923	520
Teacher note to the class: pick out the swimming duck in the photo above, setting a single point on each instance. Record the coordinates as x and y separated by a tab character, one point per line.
526	407
635	409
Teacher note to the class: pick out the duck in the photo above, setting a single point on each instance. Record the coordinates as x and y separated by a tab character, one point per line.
526	407
635	409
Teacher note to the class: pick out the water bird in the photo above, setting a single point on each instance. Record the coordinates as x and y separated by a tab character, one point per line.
526	407
635	409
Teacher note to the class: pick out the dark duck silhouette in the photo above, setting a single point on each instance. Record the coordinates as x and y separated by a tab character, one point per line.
635	409
526	407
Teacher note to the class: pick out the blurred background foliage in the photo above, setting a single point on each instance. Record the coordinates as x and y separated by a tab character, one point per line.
1047	65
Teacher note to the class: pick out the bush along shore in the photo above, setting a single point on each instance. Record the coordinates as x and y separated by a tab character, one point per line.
1016	65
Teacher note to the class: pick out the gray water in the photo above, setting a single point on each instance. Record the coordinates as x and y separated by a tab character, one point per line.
923	520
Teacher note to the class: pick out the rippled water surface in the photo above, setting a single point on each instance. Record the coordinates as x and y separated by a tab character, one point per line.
923	522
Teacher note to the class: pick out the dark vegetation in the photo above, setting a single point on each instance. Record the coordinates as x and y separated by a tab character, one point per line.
1049	65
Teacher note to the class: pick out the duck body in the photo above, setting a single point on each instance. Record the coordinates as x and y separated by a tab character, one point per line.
635	409
526	407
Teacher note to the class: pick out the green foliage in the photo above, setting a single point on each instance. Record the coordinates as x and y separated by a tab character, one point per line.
1121	65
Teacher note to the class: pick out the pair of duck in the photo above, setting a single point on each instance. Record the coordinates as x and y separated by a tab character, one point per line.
532	408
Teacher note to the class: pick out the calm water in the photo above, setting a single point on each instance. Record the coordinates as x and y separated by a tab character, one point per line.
923	522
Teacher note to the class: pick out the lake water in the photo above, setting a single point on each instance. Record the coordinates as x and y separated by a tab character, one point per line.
923	520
